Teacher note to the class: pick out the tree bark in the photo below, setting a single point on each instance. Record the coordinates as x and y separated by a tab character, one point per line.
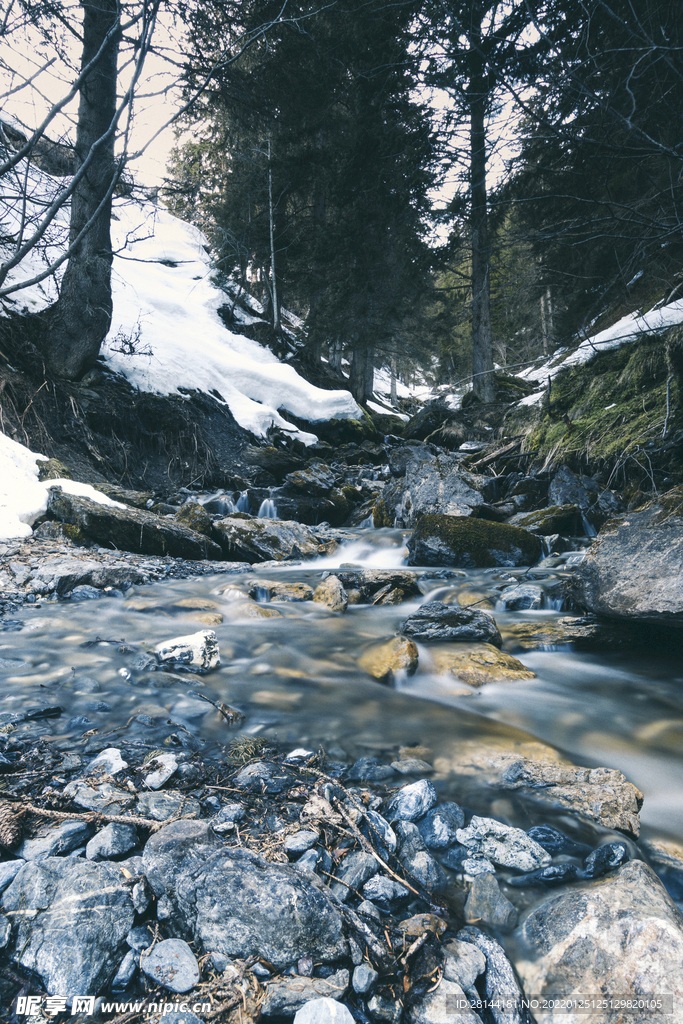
361	378
81	317
482	347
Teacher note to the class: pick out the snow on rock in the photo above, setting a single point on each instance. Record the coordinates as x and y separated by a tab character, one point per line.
23	497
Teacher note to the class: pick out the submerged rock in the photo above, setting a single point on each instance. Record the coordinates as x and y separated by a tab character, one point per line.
471	543
382	660
234	902
332	594
477	664
437	621
504	845
72	917
197	652
488	904
256	540
130	529
622	936
634	569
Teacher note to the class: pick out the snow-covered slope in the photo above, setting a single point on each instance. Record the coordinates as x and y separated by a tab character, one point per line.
166	333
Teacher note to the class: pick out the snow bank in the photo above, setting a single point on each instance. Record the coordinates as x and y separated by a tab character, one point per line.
166	333
23	497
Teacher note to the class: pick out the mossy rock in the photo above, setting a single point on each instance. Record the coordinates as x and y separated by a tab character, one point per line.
388	424
467	543
382	515
137	499
196	517
53	469
565	519
61	532
476	664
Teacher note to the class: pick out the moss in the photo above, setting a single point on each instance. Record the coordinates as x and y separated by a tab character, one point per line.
382	515
196	517
556	519
53	469
471	543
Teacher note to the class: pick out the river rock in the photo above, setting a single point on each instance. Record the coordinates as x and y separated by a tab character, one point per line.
111	841
634	569
258	540
355	869
53	840
447	1004
9	869
439	826
476	664
285	996
127	969
415	858
323	1011
500	980
233	901
171	963
270	590
436	487
72	918
488	904
665	855
374	584
197	652
130	529
382	660
502	844
105	798
300	841
622	936
602	795
463	963
605	859
385	893
168	804
471	543
437	621
563	519
556	842
412	801
363	979
62	576
332	594
315	479
164	766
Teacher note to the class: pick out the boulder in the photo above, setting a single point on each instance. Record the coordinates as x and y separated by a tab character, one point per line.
476	664
471	543
271	590
72	917
602	795
235	902
130	529
196	517
634	569
547	521
621	937
257	540
315	479
437	621
332	594
62	575
372	585
435	486
382	660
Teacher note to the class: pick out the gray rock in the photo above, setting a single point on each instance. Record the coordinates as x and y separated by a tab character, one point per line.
234	902
379	831
263	777
370	910
256	540
105	798
124	975
300	842
412	802
433	485
385	1009
439	826
369	768
619	935
523	597
62	575
165	765
323	1011
197	652
141	895
332	594
385	892
130	529
634	569
566	488
510	847
53	840
355	869
168	804
500	981
448	1004
471	543
9	869
111	841
5	931
287	995
463	963
109	760
416	860
176	1017
437	621
308	861
172	964
72	918
140	938
474	866
488	904
316	479
363	979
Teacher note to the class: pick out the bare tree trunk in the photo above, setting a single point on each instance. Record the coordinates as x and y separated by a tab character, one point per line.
362	372
81	317
393	398
273	273
482	348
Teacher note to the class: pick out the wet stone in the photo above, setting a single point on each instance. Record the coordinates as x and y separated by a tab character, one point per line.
412	802
196	652
54	840
437	621
463	963
605	859
172	964
385	893
331	593
556	842
105	798
378	830
112	840
163	765
488	904
504	845
439	826
553	874
369	768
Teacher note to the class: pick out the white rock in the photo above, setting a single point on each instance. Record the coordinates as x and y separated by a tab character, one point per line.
167	765
323	1011
109	759
198	651
510	847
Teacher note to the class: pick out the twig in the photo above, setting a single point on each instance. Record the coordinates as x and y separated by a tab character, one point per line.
668	406
419	942
367	846
88	816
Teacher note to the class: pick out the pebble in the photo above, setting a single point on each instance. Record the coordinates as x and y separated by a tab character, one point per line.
111	841
162	806
125	973
308	861
412	801
323	1011
165	765
110	760
369	768
605	859
439	826
487	903
553	874
385	892
504	845
384	1009
140	938
353	872
363	979
55	840
463	963
173	964
556	842
378	830
300	842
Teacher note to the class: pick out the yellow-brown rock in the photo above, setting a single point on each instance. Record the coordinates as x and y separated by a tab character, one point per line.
331	593
382	659
475	598
476	664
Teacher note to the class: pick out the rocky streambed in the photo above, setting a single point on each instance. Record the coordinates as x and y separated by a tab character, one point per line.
289	774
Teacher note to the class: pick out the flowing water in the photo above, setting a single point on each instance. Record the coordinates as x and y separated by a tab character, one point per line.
295	676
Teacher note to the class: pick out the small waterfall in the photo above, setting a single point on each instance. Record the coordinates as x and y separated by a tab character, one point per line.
267	509
588	527
219	503
368	523
243	502
552	602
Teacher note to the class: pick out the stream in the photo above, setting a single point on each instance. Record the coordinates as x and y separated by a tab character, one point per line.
295	678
